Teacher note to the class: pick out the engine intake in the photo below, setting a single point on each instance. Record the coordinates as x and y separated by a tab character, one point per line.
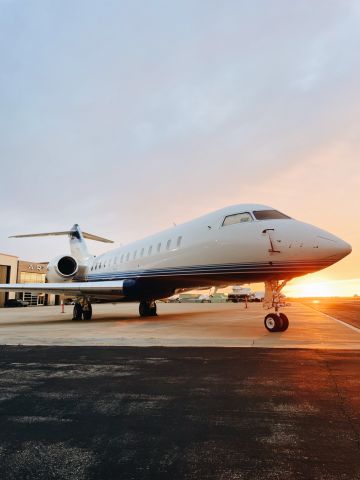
67	266
61	269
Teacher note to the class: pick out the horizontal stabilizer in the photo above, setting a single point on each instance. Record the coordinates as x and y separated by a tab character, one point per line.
65	232
90	236
49	234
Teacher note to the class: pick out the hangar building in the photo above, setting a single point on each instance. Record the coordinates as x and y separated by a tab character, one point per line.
8	274
13	270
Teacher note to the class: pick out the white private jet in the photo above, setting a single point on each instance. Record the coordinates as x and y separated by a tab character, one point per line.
238	244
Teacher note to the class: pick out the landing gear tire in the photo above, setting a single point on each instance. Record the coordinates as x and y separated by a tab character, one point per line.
147	309
284	322
77	312
276	322
87	312
272	322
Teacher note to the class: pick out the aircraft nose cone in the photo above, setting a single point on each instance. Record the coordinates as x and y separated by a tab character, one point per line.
335	246
345	248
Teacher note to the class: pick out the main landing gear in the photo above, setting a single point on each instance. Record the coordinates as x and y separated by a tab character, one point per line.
82	310
274	322
147	308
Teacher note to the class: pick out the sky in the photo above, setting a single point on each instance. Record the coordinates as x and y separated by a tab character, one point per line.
127	116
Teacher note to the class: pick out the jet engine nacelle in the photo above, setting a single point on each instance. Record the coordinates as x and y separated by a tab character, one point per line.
61	269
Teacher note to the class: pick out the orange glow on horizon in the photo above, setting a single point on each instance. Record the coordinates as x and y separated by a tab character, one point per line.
323	288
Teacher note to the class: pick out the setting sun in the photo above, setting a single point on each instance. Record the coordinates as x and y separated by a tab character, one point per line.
315	290
323	288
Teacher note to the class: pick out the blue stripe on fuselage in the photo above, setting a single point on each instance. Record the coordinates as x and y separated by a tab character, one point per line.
244	268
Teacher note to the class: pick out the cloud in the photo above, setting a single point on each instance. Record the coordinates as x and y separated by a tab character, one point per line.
128	116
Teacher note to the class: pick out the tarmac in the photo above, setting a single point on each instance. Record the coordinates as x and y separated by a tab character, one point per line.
108	398
177	325
347	310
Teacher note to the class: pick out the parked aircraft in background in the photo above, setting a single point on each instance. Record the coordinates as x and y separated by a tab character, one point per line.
238	244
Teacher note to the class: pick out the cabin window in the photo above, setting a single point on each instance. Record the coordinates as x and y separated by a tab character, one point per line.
142	252
159	247
122	258
168	245
178	243
134	256
127	257
237	218
150	250
269	215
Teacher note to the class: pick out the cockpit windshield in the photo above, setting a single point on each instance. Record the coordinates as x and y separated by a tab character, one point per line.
269	215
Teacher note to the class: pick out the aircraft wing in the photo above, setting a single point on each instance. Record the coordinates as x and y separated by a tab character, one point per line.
69	288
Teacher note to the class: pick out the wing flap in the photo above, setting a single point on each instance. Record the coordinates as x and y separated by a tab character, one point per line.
72	288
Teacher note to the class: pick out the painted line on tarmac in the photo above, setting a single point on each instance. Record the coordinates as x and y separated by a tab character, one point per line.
349	325
356	329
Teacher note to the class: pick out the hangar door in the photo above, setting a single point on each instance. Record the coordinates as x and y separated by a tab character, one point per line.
4	278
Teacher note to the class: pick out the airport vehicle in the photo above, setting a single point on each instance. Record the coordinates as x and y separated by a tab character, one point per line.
204	298
238	244
194	298
238	297
219	298
14	302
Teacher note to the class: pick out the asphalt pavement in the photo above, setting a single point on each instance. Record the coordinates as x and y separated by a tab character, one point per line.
179	413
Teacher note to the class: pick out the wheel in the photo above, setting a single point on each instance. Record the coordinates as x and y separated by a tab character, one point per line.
147	309
87	312
272	322
77	311
284	322
143	309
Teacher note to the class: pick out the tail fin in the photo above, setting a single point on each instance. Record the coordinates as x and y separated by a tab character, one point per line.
78	245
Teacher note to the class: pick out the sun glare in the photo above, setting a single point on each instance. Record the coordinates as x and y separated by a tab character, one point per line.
332	288
315	290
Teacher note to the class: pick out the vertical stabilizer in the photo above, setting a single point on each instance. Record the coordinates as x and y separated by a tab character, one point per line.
78	245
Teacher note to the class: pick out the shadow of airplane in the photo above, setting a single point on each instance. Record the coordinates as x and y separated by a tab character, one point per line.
100	318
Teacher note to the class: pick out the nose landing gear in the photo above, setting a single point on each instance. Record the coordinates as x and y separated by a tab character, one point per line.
275	322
